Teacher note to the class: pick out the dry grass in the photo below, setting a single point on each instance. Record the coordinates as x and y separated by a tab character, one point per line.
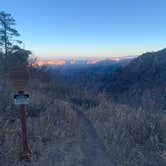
56	125
133	137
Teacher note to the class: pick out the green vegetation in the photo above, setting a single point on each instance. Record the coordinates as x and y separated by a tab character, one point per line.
11	53
7	32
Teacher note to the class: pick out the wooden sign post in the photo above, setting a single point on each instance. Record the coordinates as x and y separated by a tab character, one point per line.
18	77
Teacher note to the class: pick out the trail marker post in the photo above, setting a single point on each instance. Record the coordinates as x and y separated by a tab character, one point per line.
19	78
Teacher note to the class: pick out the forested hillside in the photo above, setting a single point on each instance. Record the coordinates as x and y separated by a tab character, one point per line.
140	83
86	76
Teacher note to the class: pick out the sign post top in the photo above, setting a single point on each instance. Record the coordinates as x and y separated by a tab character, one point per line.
18	77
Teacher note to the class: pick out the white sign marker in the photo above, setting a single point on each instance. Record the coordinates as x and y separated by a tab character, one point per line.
21	99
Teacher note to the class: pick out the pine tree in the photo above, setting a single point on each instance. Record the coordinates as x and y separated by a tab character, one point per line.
7	32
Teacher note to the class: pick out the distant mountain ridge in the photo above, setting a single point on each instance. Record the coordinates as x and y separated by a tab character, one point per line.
85	61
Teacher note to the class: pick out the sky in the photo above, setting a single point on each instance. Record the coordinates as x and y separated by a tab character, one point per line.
89	28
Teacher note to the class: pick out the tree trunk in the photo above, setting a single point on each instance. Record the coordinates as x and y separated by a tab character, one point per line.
6	49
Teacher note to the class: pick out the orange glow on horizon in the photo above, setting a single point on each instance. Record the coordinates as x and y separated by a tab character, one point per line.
51	62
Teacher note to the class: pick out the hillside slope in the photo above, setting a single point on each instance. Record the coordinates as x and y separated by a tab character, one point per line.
142	81
68	126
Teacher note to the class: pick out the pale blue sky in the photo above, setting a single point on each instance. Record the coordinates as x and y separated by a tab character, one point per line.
72	28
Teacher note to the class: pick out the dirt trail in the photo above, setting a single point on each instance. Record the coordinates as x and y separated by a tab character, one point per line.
91	145
93	151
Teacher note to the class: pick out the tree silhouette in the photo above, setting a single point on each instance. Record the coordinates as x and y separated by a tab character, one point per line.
7	32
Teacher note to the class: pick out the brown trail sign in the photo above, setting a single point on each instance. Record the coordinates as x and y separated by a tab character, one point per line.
18	78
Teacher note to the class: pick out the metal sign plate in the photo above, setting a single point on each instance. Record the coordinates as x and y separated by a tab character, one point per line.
21	99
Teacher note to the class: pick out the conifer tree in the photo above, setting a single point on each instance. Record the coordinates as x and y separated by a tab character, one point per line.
7	32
